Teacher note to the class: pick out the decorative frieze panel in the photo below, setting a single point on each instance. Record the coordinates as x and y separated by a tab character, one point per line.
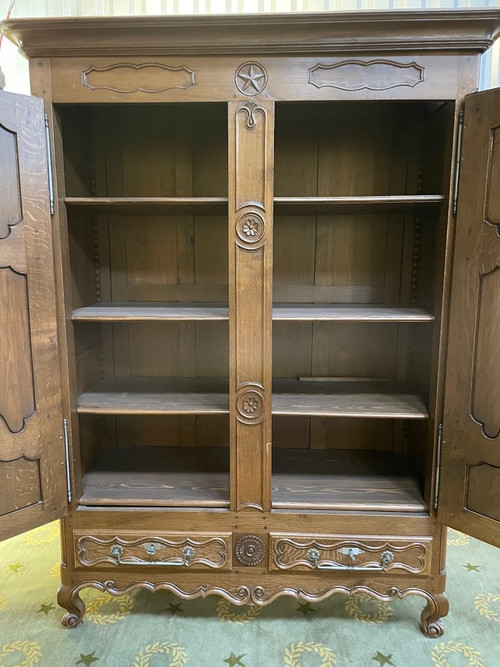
143	78
371	75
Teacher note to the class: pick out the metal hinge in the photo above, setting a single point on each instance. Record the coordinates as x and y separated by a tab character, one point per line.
66	453
49	166
438	465
458	159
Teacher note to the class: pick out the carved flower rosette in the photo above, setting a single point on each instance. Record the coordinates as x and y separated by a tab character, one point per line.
250	403
250	550
250	230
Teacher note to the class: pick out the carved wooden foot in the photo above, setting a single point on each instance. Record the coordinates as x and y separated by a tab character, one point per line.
437	607
69	598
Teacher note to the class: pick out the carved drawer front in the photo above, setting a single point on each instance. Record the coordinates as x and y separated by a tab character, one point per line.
172	550
344	553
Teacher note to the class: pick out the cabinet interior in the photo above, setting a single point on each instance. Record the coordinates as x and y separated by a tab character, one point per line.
359	239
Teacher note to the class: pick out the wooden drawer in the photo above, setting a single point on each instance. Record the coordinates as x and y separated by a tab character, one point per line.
163	550
332	553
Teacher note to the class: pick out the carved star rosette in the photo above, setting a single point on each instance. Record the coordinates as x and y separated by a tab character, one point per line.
250	78
250	403
250	230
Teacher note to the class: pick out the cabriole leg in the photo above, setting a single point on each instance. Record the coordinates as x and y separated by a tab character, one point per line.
437	607
69	598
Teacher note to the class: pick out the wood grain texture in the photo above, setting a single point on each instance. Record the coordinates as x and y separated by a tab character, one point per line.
20	483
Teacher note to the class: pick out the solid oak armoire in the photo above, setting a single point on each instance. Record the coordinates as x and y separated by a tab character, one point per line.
250	302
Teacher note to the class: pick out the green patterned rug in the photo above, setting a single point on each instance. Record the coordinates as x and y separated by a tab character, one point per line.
148	630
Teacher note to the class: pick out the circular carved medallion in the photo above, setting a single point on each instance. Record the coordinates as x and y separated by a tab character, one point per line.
250	550
250	227
250	405
250	78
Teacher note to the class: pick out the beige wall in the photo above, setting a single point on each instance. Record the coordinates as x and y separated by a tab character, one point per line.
16	71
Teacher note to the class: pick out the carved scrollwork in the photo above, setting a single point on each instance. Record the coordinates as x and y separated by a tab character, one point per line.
436	607
290	553
211	552
250	230
250	109
250	550
250	78
250	404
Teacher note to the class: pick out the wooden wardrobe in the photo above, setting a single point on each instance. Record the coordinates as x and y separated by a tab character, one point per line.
250	302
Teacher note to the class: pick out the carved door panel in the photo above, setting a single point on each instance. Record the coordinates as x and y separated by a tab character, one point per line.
470	461
32	479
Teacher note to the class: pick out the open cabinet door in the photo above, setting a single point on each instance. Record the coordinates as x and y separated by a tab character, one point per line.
32	462
469	498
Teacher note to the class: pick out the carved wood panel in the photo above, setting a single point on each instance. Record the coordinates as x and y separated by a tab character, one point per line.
370	75
32	488
469	500
341	553
130	78
20	483
486	375
10	193
198	549
483	490
17	398
250	264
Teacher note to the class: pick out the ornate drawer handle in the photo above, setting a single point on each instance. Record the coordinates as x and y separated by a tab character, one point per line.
187	555
386	558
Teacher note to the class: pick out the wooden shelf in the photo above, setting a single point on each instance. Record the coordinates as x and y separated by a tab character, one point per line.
199	477
159	477
176	396
156	396
282	205
344	480
282	312
307	312
151	205
144	312
325	205
383	400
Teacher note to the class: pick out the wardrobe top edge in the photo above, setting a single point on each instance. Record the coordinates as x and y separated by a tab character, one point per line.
472	30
